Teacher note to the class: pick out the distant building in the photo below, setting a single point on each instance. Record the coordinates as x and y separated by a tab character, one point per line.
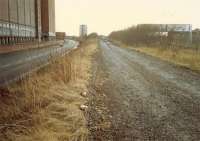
60	35
83	31
166	27
181	33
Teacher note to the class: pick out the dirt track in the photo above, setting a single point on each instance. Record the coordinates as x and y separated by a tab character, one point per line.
138	97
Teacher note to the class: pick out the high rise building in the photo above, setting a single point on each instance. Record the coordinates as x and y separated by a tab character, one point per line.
83	30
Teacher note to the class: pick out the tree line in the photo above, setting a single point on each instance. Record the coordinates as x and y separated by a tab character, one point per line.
150	35
135	35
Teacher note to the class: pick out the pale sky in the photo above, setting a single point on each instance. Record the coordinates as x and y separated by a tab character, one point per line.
104	16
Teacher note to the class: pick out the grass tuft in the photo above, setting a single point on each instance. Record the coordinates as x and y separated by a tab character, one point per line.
45	105
186	57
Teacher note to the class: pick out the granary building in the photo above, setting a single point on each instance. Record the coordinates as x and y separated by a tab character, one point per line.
26	20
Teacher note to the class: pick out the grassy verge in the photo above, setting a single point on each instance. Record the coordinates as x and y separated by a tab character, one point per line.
46	105
186	57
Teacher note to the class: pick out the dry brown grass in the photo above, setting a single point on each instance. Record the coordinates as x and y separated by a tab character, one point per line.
186	57
45	105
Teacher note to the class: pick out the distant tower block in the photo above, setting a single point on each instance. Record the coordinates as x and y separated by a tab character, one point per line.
83	30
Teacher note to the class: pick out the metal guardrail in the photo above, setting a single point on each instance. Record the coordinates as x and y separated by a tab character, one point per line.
56	54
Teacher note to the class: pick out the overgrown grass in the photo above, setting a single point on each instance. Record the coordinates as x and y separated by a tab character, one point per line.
186	57
45	105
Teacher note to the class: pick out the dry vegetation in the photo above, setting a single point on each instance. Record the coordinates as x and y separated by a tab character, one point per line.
186	57
174	48
46	105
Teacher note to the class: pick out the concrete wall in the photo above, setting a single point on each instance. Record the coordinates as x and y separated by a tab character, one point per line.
52	17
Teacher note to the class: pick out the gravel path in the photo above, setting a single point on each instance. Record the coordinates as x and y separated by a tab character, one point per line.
136	97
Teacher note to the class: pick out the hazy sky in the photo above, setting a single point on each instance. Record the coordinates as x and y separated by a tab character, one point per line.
104	16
